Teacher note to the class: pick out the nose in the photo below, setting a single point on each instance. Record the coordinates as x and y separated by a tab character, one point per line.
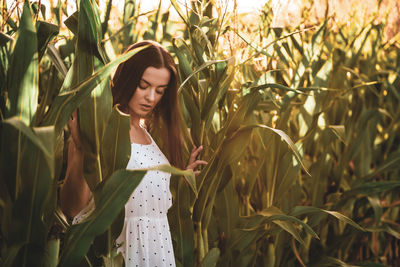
151	95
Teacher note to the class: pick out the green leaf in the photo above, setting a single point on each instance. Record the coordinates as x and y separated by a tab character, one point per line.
211	258
339	131
287	139
94	113
200	68
72	22
217	95
51	253
45	33
181	225
5	38
187	174
233	147
42	137
390	163
280	218
184	64
47	135
12	252
28	132
23	72
55	58
27	217
115	145
284	221
277	86
372	188
96	108
179	11
300	210
330	261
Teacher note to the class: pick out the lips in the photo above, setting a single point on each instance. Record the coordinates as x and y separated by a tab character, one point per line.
146	107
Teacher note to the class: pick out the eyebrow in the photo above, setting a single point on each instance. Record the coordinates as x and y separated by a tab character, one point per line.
150	84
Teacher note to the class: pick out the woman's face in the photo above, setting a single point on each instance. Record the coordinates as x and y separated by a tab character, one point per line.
149	92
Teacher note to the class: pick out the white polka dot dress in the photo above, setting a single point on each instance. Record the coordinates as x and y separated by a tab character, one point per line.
145	239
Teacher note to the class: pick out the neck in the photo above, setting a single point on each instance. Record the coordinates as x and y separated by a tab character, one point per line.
134	121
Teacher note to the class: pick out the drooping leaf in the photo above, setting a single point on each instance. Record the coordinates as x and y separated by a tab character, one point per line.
28	132
287	140
301	210
45	33
286	222
187	174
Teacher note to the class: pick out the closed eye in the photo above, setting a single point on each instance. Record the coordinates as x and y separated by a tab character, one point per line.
143	84
160	91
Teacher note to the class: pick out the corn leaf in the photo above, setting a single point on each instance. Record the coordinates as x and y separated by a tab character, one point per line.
45	33
115	148
304	210
211	259
23	72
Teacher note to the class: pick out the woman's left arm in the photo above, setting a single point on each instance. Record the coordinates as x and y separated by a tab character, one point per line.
193	162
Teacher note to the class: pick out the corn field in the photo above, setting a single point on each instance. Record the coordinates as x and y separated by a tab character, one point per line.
300	128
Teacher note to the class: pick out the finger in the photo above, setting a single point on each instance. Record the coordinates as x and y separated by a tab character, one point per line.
200	162
196	163
195	152
196	173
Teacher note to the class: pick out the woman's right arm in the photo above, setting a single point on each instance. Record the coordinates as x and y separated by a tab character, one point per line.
75	192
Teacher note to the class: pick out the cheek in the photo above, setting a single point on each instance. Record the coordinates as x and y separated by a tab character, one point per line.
159	99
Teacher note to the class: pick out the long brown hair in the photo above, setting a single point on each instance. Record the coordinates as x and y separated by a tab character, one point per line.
166	116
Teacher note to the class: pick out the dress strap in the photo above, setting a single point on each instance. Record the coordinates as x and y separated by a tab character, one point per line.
148	134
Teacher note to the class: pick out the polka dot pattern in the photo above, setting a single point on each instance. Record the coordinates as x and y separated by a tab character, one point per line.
145	239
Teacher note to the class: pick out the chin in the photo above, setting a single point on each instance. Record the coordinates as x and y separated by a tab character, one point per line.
143	114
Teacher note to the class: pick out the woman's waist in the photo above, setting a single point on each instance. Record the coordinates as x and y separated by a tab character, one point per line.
146	219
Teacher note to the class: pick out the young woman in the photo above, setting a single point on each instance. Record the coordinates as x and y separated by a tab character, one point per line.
145	87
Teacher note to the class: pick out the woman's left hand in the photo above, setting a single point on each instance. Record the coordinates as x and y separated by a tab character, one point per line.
193	162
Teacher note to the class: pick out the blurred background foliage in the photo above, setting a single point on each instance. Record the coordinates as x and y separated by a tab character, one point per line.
298	112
